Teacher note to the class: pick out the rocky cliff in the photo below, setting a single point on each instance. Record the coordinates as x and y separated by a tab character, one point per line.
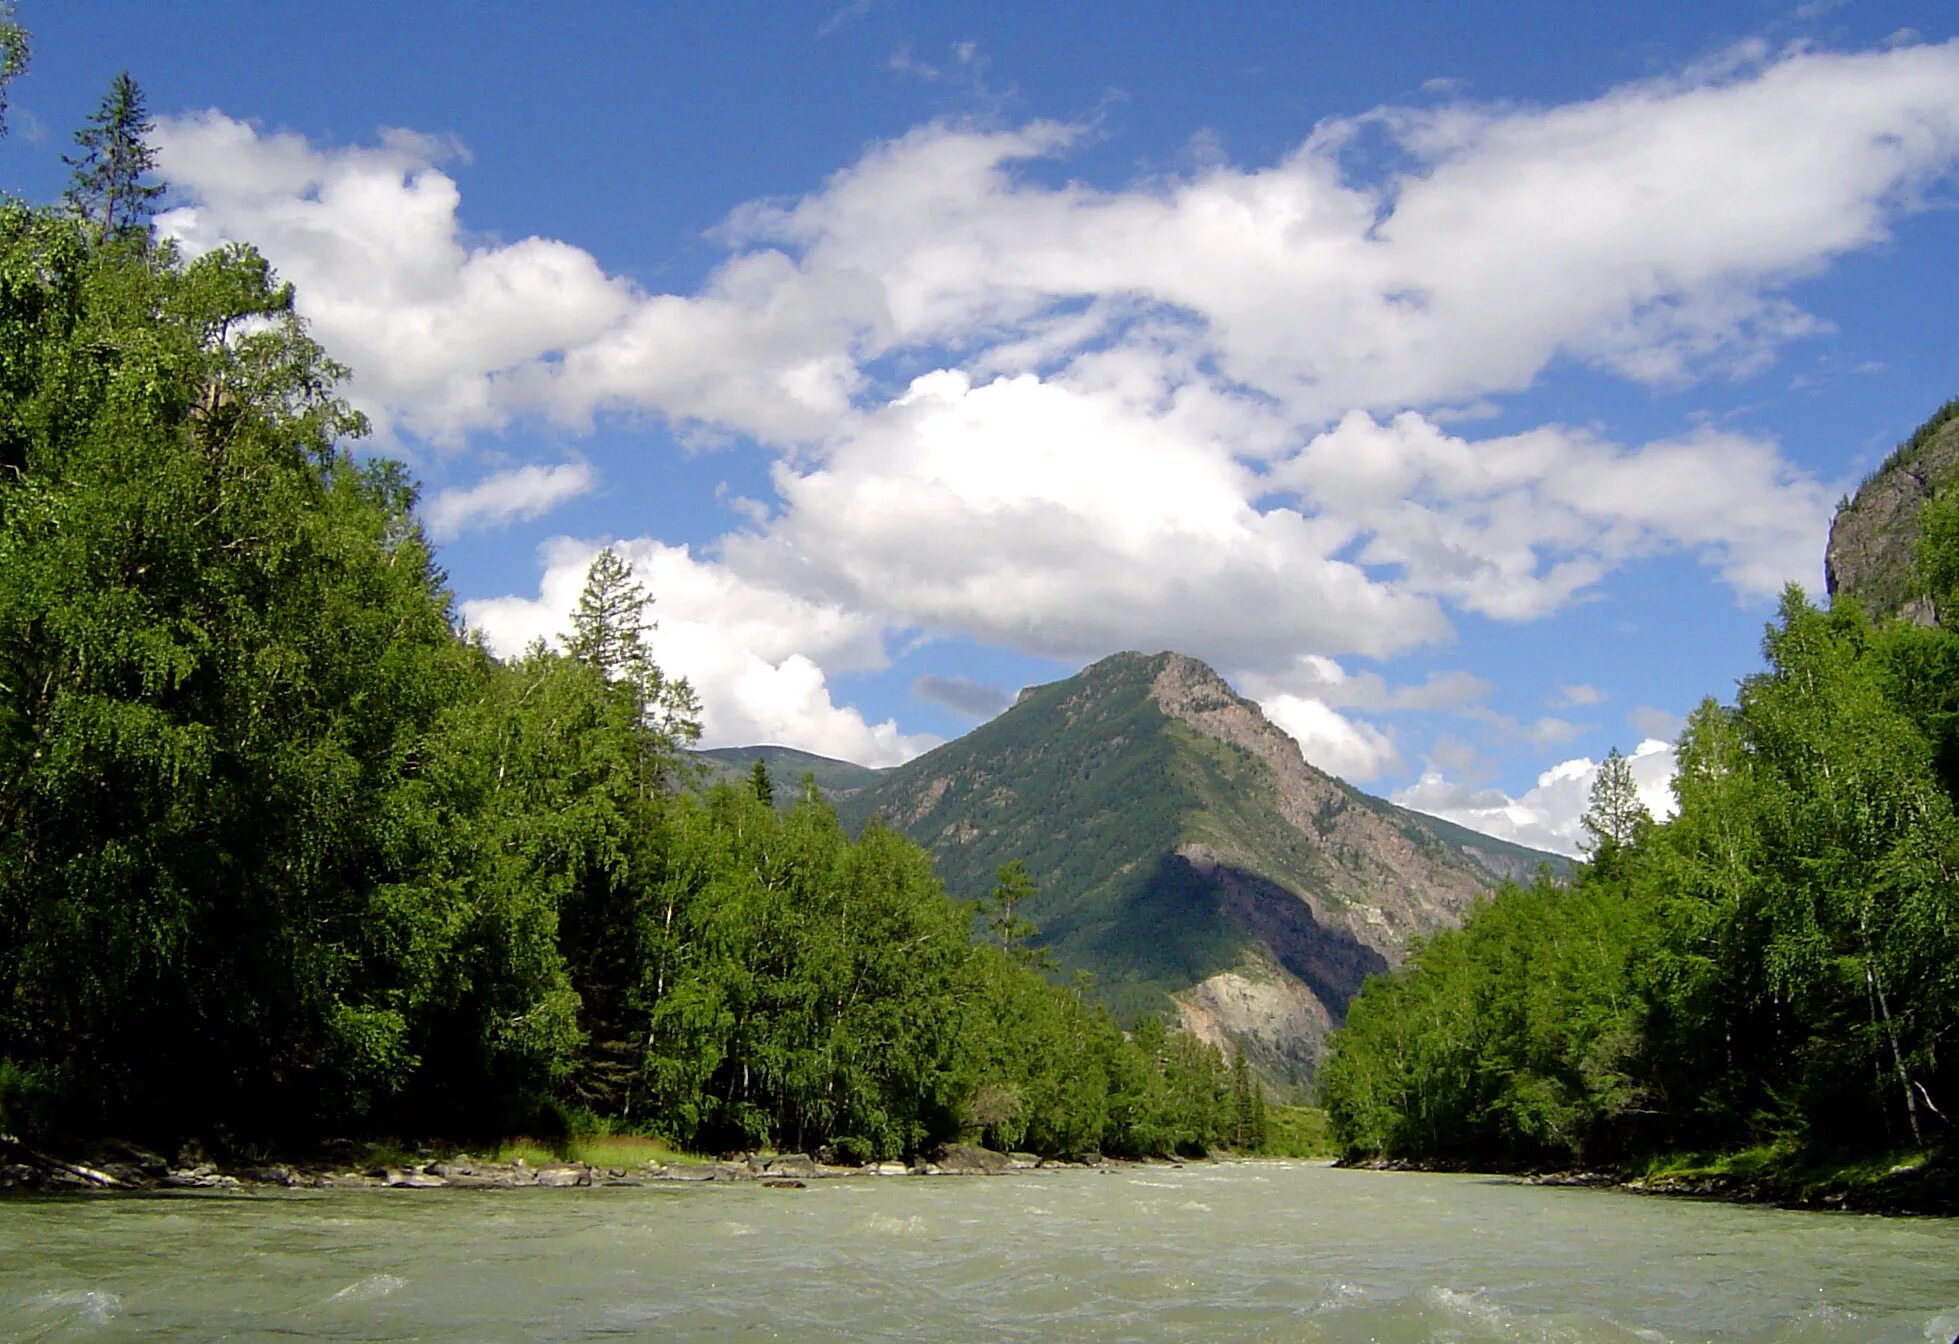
1874	536
1188	857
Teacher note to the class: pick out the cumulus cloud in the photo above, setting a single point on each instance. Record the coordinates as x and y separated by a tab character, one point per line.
1546	816
508	496
1321	678
757	657
1648	721
1068	517
1337	743
446	335
1515	527
962	695
1156	406
1573	697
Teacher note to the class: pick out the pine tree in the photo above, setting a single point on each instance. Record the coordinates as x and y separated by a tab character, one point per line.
107	188
609	630
1013	887
758	780
1616	817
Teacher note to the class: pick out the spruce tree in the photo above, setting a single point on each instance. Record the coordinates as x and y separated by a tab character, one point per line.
108	189
1616	817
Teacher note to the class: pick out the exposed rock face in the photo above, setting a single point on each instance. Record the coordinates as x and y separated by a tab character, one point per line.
1874	538
1387	877
1186	854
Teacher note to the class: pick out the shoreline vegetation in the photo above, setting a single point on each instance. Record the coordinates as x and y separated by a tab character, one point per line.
1757	997
112	1167
1905	1184
286	852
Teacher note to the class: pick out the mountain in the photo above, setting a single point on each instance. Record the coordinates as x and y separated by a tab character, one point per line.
1187	855
1874	536
786	766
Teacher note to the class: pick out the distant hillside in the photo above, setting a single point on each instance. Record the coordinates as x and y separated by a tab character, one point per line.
786	766
1874	536
1187	855
1502	858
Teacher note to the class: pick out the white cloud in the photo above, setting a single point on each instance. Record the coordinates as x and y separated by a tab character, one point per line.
1126	441
1547	815
521	493
757	658
1317	677
446	336
1518	526
1648	721
1573	697
1069	518
1348	747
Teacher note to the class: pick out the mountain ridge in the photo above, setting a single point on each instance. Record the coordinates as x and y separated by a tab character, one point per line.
1187	855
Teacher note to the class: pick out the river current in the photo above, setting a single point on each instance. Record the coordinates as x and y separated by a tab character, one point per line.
1257	1251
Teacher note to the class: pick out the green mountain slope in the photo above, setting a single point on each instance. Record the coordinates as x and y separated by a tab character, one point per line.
786	766
1501	858
1187	856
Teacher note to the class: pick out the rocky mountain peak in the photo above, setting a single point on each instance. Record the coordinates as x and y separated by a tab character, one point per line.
1874	536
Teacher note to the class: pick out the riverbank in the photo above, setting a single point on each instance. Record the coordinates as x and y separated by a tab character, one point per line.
1903	1183
117	1165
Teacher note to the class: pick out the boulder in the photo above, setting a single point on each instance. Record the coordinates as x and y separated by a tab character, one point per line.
969	1159
564	1174
790	1164
416	1180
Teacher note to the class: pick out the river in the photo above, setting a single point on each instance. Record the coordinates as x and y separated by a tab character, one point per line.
1258	1251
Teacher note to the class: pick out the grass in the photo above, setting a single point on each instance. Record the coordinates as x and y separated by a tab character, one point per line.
1899	1180
1297	1131
594	1150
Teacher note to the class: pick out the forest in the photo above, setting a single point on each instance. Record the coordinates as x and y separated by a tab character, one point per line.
285	853
1772	972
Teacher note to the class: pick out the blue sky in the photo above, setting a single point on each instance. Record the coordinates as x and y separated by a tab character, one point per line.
1462	381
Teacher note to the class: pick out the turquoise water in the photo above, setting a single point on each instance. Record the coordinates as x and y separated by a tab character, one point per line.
1261	1251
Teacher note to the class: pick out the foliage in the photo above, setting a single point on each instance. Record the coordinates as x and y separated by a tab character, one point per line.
13	55
1775	965
109	189
282	853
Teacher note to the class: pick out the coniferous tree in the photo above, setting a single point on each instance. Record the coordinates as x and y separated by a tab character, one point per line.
1616	816
109	188
759	781
1013	887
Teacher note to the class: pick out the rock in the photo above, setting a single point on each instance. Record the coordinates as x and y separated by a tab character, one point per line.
564	1175
888	1169
139	1161
790	1164
969	1159
417	1180
274	1175
781	1183
1874	539
201	1177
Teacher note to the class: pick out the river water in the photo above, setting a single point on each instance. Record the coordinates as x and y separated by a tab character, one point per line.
1258	1251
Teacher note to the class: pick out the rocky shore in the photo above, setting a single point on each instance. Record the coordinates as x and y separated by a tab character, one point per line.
1922	1187
120	1166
